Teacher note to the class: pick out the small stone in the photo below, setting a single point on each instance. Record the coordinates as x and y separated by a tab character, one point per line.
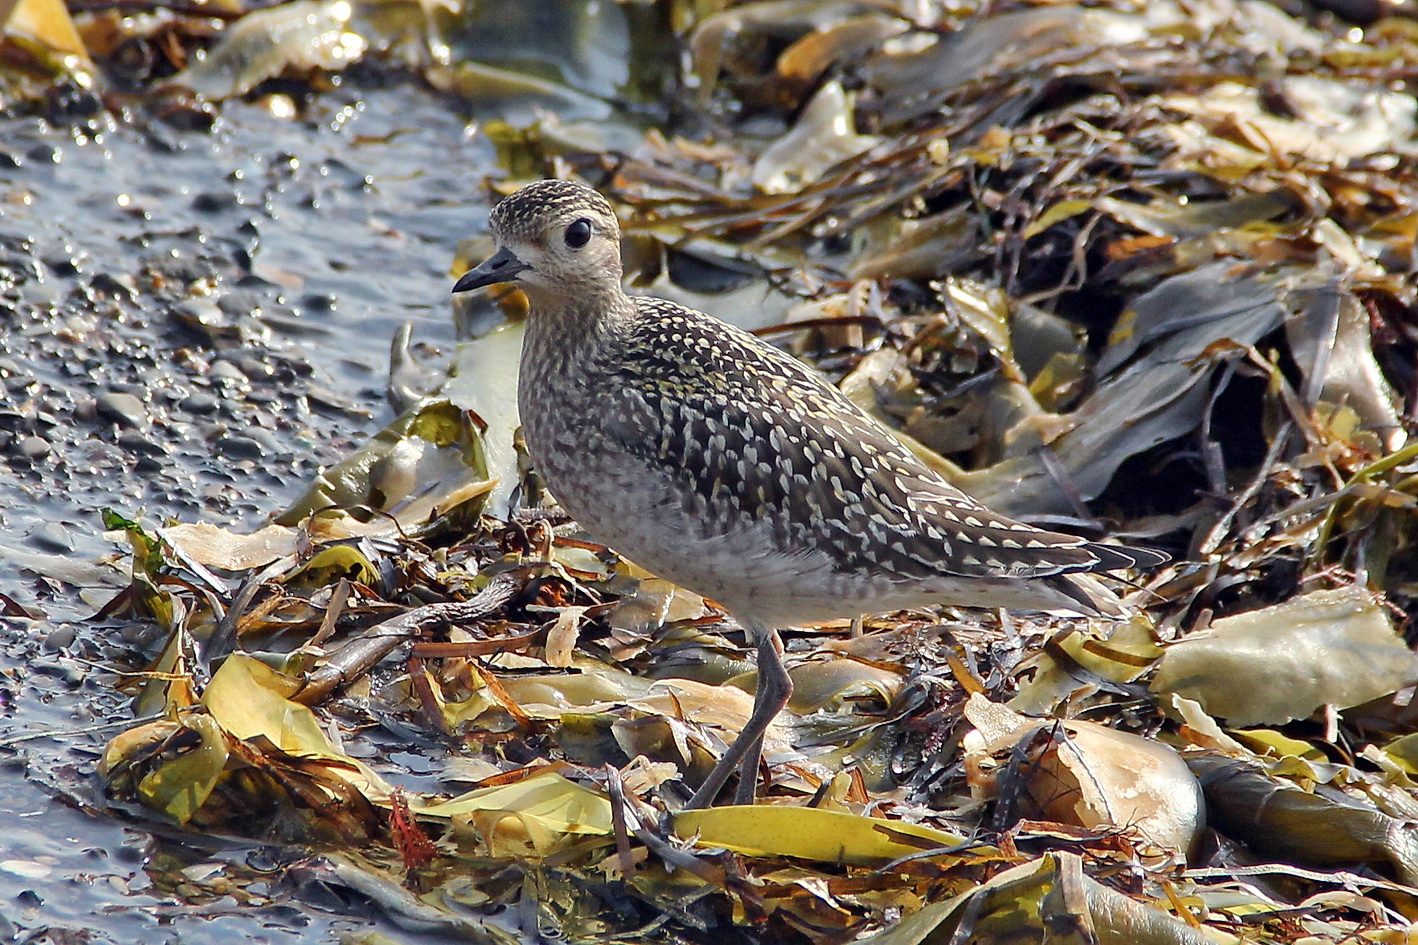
240	447
44	154
69	672
239	303
60	638
317	303
67	263
215	202
201	312
225	370
123	409
199	403
139	443
121	285
51	536
34	448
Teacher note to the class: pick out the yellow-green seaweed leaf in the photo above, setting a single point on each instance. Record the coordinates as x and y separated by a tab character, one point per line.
809	833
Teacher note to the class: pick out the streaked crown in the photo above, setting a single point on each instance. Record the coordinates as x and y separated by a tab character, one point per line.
535	211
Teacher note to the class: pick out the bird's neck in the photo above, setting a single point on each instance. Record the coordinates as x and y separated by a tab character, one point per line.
562	330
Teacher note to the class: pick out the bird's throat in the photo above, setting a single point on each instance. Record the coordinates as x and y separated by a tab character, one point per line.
563	331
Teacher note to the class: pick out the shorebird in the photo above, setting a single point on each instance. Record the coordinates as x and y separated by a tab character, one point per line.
727	466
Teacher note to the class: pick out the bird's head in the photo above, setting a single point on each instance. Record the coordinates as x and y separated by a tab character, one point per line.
555	238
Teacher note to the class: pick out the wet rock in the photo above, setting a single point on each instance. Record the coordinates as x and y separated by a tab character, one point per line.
60	638
67	262
40	293
317	303
68	101
242	302
123	409
70	673
256	369
224	370
240	446
140	634
45	153
189	115
114	286
215	202
51	537
140	444
34	448
202	313
199	403
268	440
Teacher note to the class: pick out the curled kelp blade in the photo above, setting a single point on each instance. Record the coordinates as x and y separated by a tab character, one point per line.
424	466
1317	825
1077	772
1327	648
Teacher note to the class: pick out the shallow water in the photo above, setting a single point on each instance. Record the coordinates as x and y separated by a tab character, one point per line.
191	323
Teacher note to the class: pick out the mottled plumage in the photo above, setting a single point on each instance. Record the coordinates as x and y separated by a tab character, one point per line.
723	464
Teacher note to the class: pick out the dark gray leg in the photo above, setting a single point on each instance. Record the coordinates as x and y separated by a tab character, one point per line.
774	688
747	788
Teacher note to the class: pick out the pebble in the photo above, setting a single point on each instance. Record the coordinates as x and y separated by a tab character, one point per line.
317	303
202	312
66	263
26	869
51	536
71	673
215	201
240	447
44	154
115	285
225	370
123	409
238	303
200	403
137	442
34	447
60	638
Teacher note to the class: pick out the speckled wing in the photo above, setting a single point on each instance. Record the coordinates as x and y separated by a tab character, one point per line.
753	435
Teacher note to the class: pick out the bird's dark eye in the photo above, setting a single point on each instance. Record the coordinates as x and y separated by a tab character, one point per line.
578	234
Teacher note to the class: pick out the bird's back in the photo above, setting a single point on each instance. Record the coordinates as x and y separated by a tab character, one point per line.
722	463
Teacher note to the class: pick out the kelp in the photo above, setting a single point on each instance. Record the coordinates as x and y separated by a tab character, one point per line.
40	36
1138	270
